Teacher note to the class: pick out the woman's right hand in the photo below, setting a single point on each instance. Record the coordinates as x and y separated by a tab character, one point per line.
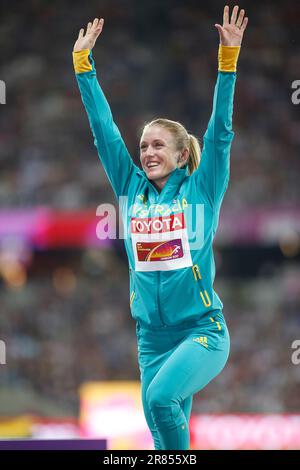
88	40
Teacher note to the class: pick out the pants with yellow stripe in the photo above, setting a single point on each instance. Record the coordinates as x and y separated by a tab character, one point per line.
175	363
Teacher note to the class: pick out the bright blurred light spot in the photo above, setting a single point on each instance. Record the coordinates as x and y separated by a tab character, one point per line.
13	273
113	411
64	280
289	243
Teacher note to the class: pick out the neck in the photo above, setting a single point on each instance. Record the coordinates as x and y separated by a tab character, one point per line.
160	183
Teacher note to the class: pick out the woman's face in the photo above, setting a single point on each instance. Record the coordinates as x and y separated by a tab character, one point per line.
158	154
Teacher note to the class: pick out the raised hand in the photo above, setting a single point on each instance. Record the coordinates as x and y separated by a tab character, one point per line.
88	40
231	33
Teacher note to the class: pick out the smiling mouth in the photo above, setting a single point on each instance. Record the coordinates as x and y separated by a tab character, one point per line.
151	165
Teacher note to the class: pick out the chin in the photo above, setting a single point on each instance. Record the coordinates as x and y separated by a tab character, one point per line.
154	176
151	177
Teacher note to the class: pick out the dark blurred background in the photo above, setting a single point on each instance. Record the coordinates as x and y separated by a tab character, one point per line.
63	300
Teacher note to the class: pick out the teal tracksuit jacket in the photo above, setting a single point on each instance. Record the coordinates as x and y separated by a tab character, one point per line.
183	341
171	282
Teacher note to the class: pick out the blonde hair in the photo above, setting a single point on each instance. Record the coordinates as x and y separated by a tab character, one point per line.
182	140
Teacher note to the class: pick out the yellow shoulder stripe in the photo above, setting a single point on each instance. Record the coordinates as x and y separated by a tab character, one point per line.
81	61
228	57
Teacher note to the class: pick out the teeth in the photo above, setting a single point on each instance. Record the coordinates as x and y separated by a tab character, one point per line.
151	165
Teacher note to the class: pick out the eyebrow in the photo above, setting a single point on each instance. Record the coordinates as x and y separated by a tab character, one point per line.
155	140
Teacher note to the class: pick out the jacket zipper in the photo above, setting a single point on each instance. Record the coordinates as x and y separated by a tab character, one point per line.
157	194
158	300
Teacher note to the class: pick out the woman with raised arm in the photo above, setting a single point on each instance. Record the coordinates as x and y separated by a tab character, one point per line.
183	341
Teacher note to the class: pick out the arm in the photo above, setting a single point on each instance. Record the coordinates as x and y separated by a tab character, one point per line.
112	151
213	172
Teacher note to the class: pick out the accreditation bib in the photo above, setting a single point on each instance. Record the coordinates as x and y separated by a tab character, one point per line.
160	243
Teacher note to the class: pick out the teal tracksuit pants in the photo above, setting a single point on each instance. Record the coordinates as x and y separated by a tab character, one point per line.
175	363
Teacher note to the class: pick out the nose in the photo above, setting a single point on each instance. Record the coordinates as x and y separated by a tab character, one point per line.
148	153
150	150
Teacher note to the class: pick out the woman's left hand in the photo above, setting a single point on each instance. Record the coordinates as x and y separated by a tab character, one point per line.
231	33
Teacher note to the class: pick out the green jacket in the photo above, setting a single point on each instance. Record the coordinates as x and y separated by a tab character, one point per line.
171	279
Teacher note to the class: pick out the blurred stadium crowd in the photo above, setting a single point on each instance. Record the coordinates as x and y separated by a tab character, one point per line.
155	58
74	326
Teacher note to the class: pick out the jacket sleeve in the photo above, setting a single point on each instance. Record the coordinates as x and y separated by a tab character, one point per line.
112	151
212	175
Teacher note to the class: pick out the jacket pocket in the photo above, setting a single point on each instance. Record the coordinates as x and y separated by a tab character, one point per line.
179	296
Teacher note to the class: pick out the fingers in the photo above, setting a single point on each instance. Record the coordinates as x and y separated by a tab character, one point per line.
99	28
226	15
92	25
240	18
240	21
234	14
88	28
81	33
219	28
244	24
95	23
99	23
96	26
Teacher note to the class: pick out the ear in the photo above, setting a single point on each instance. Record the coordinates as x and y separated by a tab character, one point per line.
183	157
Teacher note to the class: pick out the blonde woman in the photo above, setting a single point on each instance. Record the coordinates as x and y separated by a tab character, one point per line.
183	341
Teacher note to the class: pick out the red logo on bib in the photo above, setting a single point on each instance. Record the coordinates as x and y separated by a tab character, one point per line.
158	224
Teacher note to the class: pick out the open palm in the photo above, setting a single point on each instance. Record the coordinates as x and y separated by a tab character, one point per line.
88	40
231	33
